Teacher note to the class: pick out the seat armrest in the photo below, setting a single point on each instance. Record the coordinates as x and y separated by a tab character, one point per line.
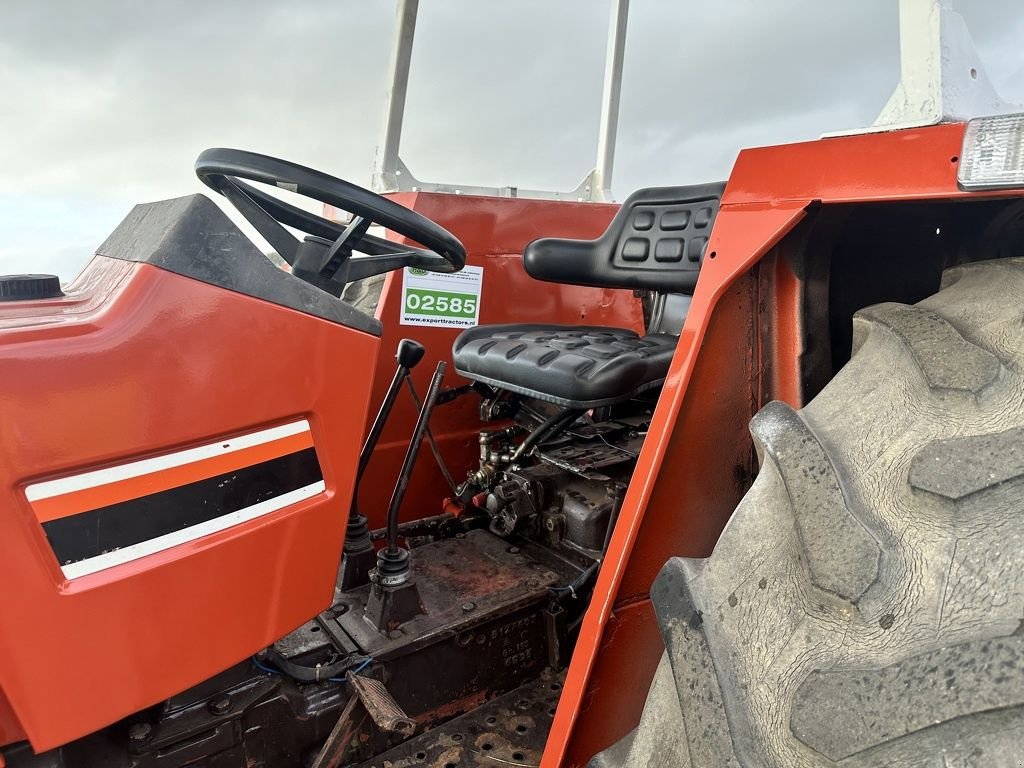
560	260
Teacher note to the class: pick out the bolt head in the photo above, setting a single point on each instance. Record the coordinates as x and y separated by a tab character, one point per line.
220	705
140	731
467	607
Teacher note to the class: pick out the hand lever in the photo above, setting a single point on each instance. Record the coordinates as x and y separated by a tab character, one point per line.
358	555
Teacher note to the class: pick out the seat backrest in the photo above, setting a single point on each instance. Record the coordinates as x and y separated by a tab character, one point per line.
656	242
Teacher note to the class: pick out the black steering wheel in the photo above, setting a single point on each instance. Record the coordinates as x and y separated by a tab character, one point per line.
324	258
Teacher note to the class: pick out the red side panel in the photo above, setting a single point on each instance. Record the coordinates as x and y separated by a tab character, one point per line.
684	487
898	165
10	728
135	366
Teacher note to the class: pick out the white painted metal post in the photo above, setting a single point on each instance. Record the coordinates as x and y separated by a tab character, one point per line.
602	177
386	166
941	77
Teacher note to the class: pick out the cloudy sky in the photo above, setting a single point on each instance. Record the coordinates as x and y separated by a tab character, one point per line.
106	103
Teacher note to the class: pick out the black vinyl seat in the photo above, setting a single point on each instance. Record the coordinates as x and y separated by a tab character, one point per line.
573	366
655	243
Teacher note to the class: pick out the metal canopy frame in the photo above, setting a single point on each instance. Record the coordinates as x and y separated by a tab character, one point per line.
390	174
941	80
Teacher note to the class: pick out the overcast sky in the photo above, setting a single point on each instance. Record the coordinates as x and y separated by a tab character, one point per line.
107	102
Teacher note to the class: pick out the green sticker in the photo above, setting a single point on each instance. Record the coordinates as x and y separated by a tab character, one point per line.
440	303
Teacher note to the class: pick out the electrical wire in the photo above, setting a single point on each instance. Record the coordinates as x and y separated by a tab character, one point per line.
261	666
578	583
617	447
366	662
286	668
364	665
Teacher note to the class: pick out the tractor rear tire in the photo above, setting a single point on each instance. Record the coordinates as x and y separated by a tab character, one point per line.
364	294
865	604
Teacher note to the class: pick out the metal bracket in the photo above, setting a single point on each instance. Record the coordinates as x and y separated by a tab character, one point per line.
941	76
402	180
390	174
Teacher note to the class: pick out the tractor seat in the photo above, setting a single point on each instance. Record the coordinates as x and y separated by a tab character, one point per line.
573	366
654	244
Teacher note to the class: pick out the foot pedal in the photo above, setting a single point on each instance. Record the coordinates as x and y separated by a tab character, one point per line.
381	705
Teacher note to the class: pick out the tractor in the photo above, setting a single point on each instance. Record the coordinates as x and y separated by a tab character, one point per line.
728	474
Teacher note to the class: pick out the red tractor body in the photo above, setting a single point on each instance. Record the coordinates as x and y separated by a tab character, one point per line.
136	363
142	382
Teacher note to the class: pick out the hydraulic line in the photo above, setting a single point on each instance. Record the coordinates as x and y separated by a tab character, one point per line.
552	426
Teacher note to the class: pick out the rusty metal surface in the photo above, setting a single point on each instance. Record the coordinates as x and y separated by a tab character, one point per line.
485	631
508	732
462	582
340	740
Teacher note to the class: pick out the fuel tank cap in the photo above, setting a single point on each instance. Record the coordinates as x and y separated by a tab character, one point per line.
29	287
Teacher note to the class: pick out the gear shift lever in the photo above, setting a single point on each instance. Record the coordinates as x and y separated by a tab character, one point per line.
358	557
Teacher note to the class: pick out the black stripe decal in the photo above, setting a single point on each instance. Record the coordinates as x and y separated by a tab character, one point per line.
88	534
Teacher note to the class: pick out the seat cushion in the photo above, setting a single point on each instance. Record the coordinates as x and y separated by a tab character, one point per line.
573	366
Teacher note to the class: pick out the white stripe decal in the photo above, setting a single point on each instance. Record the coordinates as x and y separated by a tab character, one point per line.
97	477
160	543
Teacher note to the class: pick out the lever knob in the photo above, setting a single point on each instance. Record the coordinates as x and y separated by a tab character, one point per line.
409	353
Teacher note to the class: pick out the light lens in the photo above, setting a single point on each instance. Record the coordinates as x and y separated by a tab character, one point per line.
993	153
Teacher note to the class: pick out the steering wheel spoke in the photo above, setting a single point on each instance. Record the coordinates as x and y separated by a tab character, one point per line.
280	239
291	215
343	246
360	267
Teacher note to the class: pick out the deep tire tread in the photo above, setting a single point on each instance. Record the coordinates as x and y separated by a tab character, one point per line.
865	604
